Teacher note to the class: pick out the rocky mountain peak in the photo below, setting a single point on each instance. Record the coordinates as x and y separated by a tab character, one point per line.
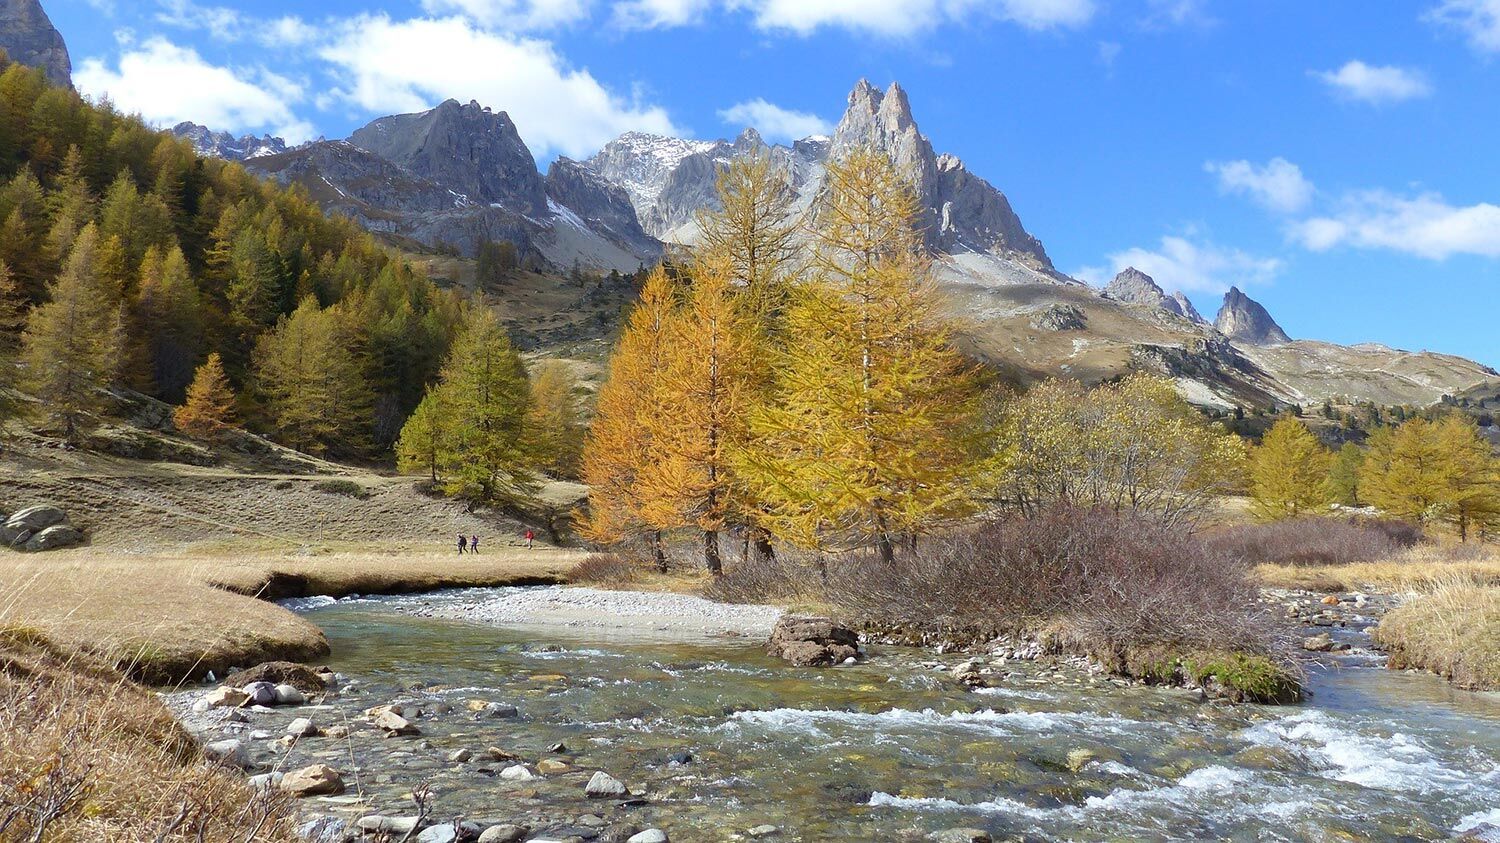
1243	319
470	149
224	145
1185	307
28	36
1133	286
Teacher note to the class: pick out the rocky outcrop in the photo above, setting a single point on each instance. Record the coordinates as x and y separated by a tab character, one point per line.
469	149
213	144
298	676
28	36
1134	287
1242	319
812	642
39	528
1060	317
603	206
1185	307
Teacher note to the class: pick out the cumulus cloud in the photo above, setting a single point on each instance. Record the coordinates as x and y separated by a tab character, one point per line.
1185	264
1425	225
656	14
887	18
387	66
773	121
1375	84
1278	184
167	84
1478	20
514	14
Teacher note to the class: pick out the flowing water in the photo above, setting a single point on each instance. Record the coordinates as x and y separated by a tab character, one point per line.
893	746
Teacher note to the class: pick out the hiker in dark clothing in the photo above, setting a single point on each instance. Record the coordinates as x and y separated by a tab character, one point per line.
461	544
473	544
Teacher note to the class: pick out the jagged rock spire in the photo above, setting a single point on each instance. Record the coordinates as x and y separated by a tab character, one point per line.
1243	319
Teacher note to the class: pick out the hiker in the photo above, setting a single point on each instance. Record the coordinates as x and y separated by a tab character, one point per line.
473	544
461	544
529	537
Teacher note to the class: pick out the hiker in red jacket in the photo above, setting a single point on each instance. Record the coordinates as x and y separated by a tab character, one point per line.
529	537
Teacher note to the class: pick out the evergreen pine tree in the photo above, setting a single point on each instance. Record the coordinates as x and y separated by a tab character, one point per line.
554	425
314	387
487	400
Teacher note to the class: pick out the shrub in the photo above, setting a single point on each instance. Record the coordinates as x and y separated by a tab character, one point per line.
1095	580
1316	541
787	576
608	569
347	488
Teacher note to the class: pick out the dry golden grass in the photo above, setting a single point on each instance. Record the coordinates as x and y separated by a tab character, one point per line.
1420	569
1453	630
87	755
166	618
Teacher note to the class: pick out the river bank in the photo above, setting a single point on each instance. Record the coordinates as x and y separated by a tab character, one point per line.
712	738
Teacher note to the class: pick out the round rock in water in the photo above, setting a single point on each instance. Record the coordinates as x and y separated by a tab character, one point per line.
260	693
605	786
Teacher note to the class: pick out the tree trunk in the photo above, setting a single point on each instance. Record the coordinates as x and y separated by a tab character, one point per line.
711	556
658	552
764	552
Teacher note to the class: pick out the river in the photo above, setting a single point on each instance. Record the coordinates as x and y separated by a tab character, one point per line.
891	748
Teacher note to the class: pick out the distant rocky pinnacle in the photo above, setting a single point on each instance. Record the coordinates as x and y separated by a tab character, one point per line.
224	145
1243	319
1133	286
468	148
28	36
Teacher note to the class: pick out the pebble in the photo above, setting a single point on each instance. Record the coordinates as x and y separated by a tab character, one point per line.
289	695
764	831
604	786
260	693
505	833
459	756
302	727
650	835
518	773
229	752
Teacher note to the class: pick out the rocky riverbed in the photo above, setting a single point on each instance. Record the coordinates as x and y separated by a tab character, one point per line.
713	740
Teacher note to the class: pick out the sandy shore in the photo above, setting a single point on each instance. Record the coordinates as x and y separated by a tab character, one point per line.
609	612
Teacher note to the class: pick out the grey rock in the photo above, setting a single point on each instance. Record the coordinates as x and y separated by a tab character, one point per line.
497	710
313	780
505	833
650	835
266	781
324	830
603	205
459	756
450	833
1242	319
377	824
260	693
811	642
28	36
1132	286
54	537
1185	307
961	835
302	727
1060	317
604	786
230	753
289	695
38	517
467	148
763	831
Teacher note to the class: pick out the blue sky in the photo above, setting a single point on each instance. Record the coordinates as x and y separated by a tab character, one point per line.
1335	159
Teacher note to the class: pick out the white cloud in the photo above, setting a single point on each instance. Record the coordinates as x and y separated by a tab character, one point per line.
1180	263
1170	13
1374	83
656	14
223	23
514	14
289	31
1278	185
1425	225
387	66
773	121
888	18
1478	20
167	84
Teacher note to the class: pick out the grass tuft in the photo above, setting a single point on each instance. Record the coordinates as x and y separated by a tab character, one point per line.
1453	630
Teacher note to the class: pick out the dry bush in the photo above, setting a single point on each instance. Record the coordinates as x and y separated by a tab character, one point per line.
788	576
86	755
608	569
1454	630
1108	584
1316	541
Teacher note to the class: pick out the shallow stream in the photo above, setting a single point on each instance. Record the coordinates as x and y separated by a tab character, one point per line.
894	747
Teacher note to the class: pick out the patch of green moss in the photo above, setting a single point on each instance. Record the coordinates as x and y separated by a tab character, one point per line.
1244	677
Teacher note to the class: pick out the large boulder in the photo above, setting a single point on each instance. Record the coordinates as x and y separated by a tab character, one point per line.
54	537
23	524
301	677
812	642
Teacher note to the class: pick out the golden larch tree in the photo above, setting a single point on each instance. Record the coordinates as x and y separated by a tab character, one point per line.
1406	473
867	436
72	342
1289	472
209	408
555	423
620	450
708	384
